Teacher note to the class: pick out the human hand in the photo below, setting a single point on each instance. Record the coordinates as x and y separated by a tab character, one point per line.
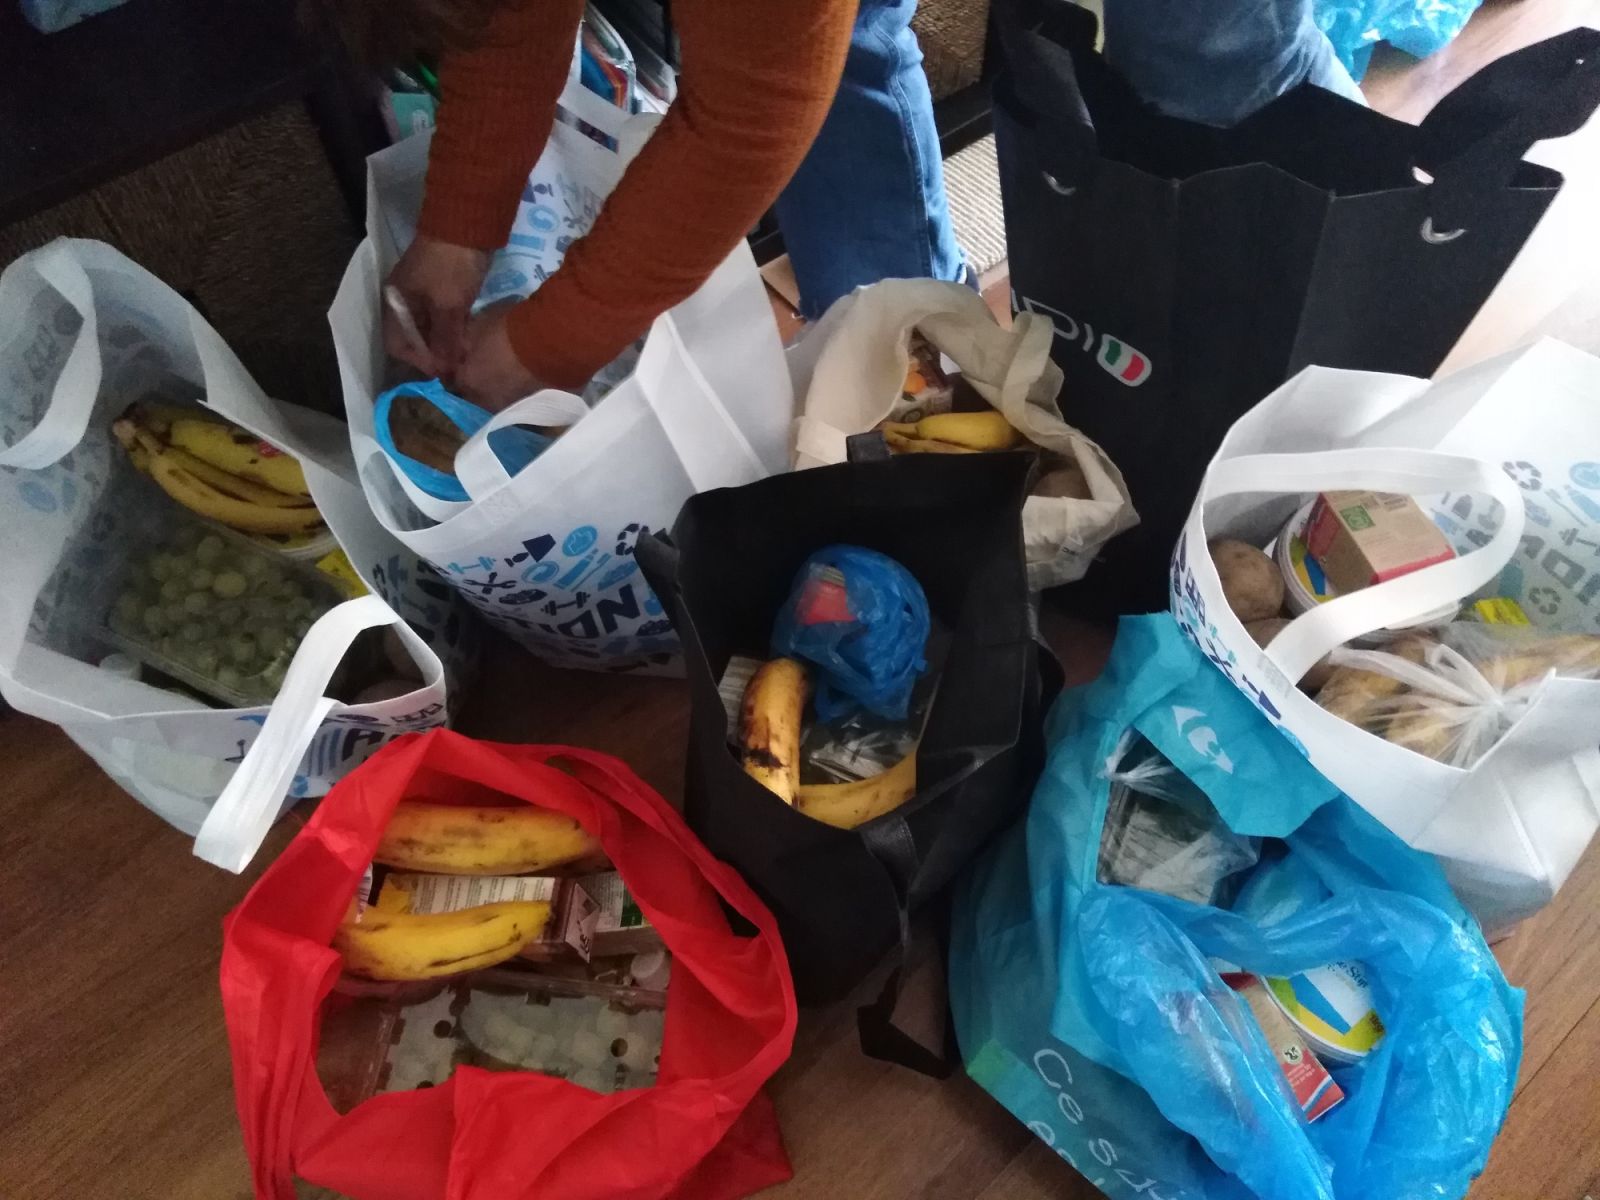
438	282
491	375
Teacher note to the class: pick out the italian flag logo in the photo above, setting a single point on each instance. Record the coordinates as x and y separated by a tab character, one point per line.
1122	362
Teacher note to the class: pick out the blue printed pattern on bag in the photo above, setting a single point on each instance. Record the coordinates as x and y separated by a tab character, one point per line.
1555	573
574	599
554	212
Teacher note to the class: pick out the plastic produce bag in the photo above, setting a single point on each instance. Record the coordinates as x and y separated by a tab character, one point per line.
1453	696
863	620
1419	27
1096	1012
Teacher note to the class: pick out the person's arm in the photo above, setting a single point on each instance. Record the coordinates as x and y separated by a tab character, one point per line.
758	78
497	104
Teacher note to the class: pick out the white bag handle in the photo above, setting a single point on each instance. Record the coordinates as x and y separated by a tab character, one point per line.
77	388
238	822
1412	472
683	400
478	467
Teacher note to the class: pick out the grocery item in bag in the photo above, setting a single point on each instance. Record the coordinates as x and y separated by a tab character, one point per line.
1103	1014
89	336
1496	456
567	1061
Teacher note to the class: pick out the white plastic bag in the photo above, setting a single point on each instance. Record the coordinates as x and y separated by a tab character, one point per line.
1489	446
84	332
547	556
850	367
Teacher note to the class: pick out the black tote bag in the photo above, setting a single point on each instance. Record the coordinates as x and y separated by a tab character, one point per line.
842	897
1190	270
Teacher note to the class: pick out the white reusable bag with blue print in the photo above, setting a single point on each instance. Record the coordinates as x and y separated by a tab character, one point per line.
546	556
1518	435
83	333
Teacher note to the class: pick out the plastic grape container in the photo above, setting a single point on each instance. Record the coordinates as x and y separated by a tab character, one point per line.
214	611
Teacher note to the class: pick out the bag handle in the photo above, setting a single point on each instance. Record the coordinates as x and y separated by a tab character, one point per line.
479	468
1310	636
1043	42
238	822
77	388
1547	90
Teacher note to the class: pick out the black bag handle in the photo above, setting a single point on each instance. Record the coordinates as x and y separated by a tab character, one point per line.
1546	90
1040	42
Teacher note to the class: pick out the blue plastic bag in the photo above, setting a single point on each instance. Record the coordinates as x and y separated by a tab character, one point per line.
1095	1013
862	620
514	447
1419	27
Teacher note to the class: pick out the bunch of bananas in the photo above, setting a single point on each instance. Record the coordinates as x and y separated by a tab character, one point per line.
769	749
952	433
219	470
389	942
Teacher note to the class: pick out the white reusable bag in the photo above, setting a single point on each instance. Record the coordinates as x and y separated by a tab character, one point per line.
1509	437
547	556
850	367
84	332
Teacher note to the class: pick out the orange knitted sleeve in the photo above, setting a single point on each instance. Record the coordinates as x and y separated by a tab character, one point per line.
758	78
497	103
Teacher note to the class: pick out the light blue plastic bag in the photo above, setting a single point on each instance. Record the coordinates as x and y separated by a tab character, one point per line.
1419	27
1091	1011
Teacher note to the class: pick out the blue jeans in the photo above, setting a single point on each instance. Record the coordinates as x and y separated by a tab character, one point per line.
1220	60
868	202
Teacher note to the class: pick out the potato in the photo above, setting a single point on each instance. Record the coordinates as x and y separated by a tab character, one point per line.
1067	481
1265	630
1351	693
1251	581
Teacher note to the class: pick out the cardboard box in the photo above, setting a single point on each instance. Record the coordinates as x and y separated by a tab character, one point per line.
1363	538
1314	1089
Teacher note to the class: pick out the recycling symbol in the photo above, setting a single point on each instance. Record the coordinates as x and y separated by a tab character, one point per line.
1525	475
1546	599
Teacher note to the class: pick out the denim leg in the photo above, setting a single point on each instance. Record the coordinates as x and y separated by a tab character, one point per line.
1218	61
868	201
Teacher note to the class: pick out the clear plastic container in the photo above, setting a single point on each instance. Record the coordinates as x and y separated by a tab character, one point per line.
209	608
601	1036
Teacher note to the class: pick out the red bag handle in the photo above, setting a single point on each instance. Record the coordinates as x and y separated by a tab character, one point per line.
730	1012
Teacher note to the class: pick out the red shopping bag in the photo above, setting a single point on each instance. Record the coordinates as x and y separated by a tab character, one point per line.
705	1131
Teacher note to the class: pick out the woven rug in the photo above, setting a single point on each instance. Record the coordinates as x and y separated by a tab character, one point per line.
972	181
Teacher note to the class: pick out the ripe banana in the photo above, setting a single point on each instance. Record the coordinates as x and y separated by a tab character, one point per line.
846	805
769	726
402	946
899	443
239	452
204	488
986	430
450	839
201	497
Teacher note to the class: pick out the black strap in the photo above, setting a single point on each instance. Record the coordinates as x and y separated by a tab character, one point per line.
1474	140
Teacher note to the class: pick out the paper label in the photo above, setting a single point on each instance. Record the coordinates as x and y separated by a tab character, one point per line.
580	921
428	894
617	910
735	679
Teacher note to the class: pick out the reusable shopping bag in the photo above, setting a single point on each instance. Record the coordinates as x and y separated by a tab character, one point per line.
1095	1012
705	1131
83	333
1189	270
849	370
842	896
547	555
1503	455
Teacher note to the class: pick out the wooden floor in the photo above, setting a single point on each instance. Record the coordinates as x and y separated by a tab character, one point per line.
114	1079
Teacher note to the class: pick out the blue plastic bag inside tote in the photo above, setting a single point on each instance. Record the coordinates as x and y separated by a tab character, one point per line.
1096	1014
1419	27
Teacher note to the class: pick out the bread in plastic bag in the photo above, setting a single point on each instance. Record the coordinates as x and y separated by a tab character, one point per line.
1452	694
